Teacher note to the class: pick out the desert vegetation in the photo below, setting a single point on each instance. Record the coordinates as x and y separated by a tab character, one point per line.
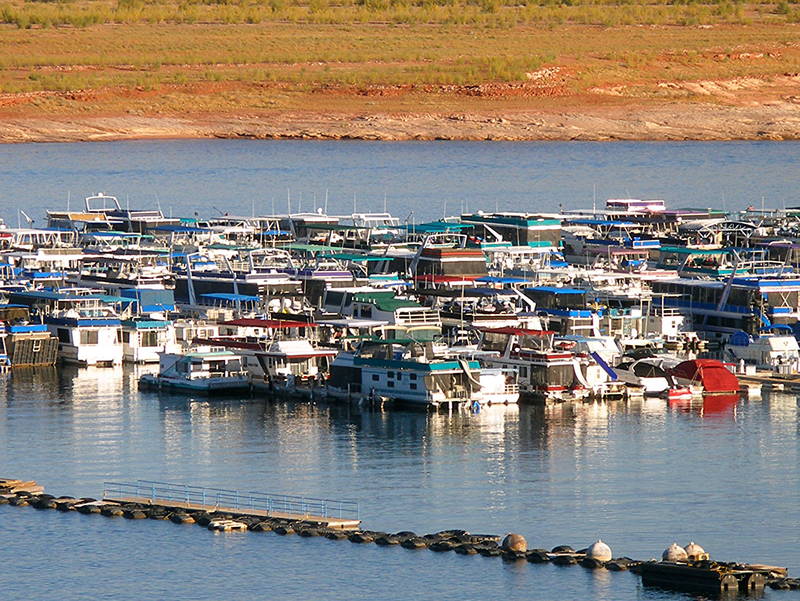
166	57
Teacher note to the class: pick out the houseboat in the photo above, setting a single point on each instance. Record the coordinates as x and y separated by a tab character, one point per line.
202	372
548	372
144	339
406	372
87	328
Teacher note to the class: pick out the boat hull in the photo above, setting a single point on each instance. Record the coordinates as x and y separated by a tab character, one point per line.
206	386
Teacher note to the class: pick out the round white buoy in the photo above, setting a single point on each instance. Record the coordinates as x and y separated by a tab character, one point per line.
674	553
515	543
600	551
694	551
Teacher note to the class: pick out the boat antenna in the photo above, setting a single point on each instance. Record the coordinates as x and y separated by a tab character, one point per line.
384	201
68	198
300	203
289	200
273	205
354	203
217	210
444	209
326	201
594	199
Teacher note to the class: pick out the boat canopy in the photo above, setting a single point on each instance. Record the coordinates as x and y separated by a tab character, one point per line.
231	297
712	374
268	323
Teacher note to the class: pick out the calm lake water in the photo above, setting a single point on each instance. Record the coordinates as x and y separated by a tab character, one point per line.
428	178
638	475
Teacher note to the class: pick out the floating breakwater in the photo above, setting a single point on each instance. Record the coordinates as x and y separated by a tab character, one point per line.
702	575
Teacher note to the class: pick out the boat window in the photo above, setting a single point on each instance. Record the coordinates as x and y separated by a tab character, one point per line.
390	374
375	377
89	337
399	375
150	338
126	337
413	376
413	386
63	335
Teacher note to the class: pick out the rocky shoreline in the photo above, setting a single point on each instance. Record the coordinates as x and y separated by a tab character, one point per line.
774	120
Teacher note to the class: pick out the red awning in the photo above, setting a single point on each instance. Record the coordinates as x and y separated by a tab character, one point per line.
438	279
268	323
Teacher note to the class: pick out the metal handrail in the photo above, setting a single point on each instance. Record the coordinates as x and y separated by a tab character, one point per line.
233	499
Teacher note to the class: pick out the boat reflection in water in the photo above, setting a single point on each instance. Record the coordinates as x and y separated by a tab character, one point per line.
710	405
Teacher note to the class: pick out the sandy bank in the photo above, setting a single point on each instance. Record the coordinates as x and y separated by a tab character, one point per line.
777	120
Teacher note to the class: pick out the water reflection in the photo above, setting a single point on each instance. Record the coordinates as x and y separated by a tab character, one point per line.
716	406
567	474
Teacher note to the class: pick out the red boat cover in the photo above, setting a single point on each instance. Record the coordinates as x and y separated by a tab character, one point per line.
710	373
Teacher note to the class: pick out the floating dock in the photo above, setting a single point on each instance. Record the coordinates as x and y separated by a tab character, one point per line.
328	513
708	576
223	510
769	380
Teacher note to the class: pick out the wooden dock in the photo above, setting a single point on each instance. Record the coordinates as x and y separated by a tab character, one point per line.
327	513
772	381
324	521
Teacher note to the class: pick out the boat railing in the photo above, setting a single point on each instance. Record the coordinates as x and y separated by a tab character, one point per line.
161	492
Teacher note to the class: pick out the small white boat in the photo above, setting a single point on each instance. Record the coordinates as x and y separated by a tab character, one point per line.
218	371
227	526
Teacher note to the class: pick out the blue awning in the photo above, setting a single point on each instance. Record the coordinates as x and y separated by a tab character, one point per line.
556	290
228	296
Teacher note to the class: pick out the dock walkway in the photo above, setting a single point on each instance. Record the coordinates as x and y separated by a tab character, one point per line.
772	381
342	515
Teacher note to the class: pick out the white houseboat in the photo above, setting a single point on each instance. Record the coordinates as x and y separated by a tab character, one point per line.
207	372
